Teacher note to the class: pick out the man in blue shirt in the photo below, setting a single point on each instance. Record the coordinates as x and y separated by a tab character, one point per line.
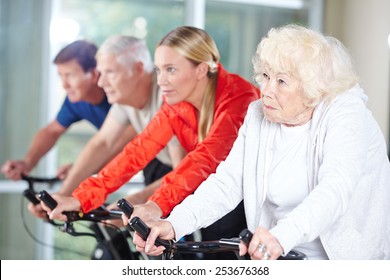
85	100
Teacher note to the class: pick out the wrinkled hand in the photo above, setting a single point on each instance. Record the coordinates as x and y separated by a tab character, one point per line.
148	212
162	229
37	211
263	246
64	203
63	171
12	169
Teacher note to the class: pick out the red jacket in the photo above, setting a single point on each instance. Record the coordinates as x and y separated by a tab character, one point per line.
233	96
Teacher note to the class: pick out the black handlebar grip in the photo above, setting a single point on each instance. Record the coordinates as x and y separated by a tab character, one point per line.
30	195
126	207
143	230
140	227
47	199
246	236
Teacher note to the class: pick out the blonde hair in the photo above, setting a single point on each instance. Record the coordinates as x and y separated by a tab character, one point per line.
128	50
321	63
198	47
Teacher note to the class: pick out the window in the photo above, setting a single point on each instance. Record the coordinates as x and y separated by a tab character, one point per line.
237	27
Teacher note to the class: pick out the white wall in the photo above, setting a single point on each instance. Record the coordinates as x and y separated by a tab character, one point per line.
364	26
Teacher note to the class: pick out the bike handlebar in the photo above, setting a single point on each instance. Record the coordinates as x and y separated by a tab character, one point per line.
47	199
171	246
96	215
30	192
143	230
49	180
246	236
108	236
30	195
125	206
137	225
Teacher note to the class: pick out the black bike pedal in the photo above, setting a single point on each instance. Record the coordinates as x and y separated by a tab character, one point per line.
126	207
30	195
47	199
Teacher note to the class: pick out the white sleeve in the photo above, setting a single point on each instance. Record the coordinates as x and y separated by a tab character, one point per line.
219	194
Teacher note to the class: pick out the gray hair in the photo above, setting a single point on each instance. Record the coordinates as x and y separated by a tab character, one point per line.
128	50
321	63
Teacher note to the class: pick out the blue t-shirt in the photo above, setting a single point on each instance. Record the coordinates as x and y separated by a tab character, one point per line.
73	112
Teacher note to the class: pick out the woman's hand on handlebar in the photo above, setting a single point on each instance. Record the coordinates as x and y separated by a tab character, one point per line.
37	210
64	203
148	212
133	199
263	246
162	229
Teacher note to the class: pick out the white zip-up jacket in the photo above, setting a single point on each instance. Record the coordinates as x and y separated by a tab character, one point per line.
349	177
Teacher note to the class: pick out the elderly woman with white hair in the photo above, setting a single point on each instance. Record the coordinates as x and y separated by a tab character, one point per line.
310	160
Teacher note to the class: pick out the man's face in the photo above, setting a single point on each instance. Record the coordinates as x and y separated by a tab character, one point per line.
116	79
75	81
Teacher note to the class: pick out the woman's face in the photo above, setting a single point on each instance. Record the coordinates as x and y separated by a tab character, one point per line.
283	99
177	77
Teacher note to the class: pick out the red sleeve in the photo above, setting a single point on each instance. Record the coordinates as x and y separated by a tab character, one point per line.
93	192
204	159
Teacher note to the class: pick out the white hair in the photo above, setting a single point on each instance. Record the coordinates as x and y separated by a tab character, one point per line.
321	63
128	50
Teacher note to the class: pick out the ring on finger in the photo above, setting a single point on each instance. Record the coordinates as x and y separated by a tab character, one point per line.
261	248
267	256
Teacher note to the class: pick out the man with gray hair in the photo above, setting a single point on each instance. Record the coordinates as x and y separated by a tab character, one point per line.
127	77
